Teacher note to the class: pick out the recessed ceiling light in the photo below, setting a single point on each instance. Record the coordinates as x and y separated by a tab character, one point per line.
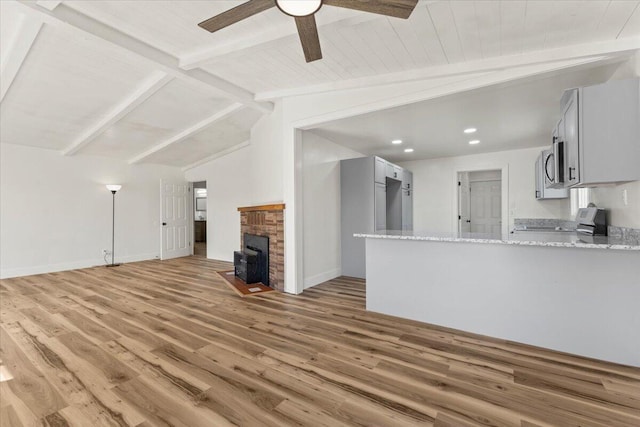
408	150
474	142
396	141
470	130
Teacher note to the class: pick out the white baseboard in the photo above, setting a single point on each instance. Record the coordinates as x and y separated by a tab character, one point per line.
220	257
322	277
6	273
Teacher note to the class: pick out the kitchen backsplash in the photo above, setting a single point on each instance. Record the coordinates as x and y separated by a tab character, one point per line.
621	203
621	211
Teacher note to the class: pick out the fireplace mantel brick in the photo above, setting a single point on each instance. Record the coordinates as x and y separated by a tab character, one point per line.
269	223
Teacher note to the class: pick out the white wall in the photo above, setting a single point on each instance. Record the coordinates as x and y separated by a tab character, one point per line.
434	203
228	188
55	212
321	207
613	200
266	155
250	176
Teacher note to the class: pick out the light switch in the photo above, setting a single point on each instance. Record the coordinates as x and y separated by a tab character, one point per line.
625	197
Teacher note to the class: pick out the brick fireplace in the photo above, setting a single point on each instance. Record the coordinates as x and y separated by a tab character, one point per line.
267	220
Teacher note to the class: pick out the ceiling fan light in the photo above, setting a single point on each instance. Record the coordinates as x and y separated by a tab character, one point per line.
299	7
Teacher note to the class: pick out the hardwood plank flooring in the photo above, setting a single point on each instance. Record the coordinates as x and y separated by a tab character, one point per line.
167	343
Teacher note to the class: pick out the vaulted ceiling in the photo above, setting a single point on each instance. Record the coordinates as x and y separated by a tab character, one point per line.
140	81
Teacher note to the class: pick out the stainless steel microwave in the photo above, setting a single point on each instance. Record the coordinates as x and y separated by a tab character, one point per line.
554	165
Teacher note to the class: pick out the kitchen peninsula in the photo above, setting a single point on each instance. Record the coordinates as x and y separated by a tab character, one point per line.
552	290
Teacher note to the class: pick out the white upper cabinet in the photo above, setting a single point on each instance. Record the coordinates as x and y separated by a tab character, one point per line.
568	131
394	171
600	128
407	179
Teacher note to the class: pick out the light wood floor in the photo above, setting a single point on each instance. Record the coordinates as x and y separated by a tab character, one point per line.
167	343
200	249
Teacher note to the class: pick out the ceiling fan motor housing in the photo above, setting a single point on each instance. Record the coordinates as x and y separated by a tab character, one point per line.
297	8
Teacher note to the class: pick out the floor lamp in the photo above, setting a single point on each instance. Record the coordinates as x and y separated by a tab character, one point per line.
113	188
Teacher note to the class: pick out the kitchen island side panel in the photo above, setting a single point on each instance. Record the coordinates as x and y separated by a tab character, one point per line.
580	301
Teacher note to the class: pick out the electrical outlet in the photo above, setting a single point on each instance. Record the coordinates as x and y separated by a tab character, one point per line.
106	252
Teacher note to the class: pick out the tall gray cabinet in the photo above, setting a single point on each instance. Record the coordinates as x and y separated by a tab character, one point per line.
376	195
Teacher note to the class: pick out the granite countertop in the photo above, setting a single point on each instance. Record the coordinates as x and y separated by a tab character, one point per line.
551	239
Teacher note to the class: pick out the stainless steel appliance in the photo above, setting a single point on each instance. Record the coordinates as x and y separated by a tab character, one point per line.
554	164
591	222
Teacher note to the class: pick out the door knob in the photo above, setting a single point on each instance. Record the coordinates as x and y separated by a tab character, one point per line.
164	223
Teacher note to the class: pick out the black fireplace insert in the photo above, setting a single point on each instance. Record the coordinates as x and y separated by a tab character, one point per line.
252	262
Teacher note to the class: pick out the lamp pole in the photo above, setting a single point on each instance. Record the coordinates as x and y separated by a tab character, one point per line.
113	188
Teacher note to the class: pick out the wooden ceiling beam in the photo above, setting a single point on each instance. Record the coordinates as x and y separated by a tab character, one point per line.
19	47
49	4
158	58
145	90
188	132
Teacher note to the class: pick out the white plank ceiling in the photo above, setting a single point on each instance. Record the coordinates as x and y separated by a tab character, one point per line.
140	81
65	83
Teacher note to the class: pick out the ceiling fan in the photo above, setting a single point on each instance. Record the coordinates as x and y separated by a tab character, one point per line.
303	11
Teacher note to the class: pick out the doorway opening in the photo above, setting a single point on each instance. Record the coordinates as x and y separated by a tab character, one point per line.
480	202
200	218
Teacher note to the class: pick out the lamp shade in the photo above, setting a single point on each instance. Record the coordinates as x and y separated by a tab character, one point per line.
299	7
114	187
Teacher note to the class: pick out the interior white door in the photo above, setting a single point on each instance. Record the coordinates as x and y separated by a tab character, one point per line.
486	207
175	217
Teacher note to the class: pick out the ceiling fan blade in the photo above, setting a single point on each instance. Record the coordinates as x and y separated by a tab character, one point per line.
308	33
238	13
395	8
